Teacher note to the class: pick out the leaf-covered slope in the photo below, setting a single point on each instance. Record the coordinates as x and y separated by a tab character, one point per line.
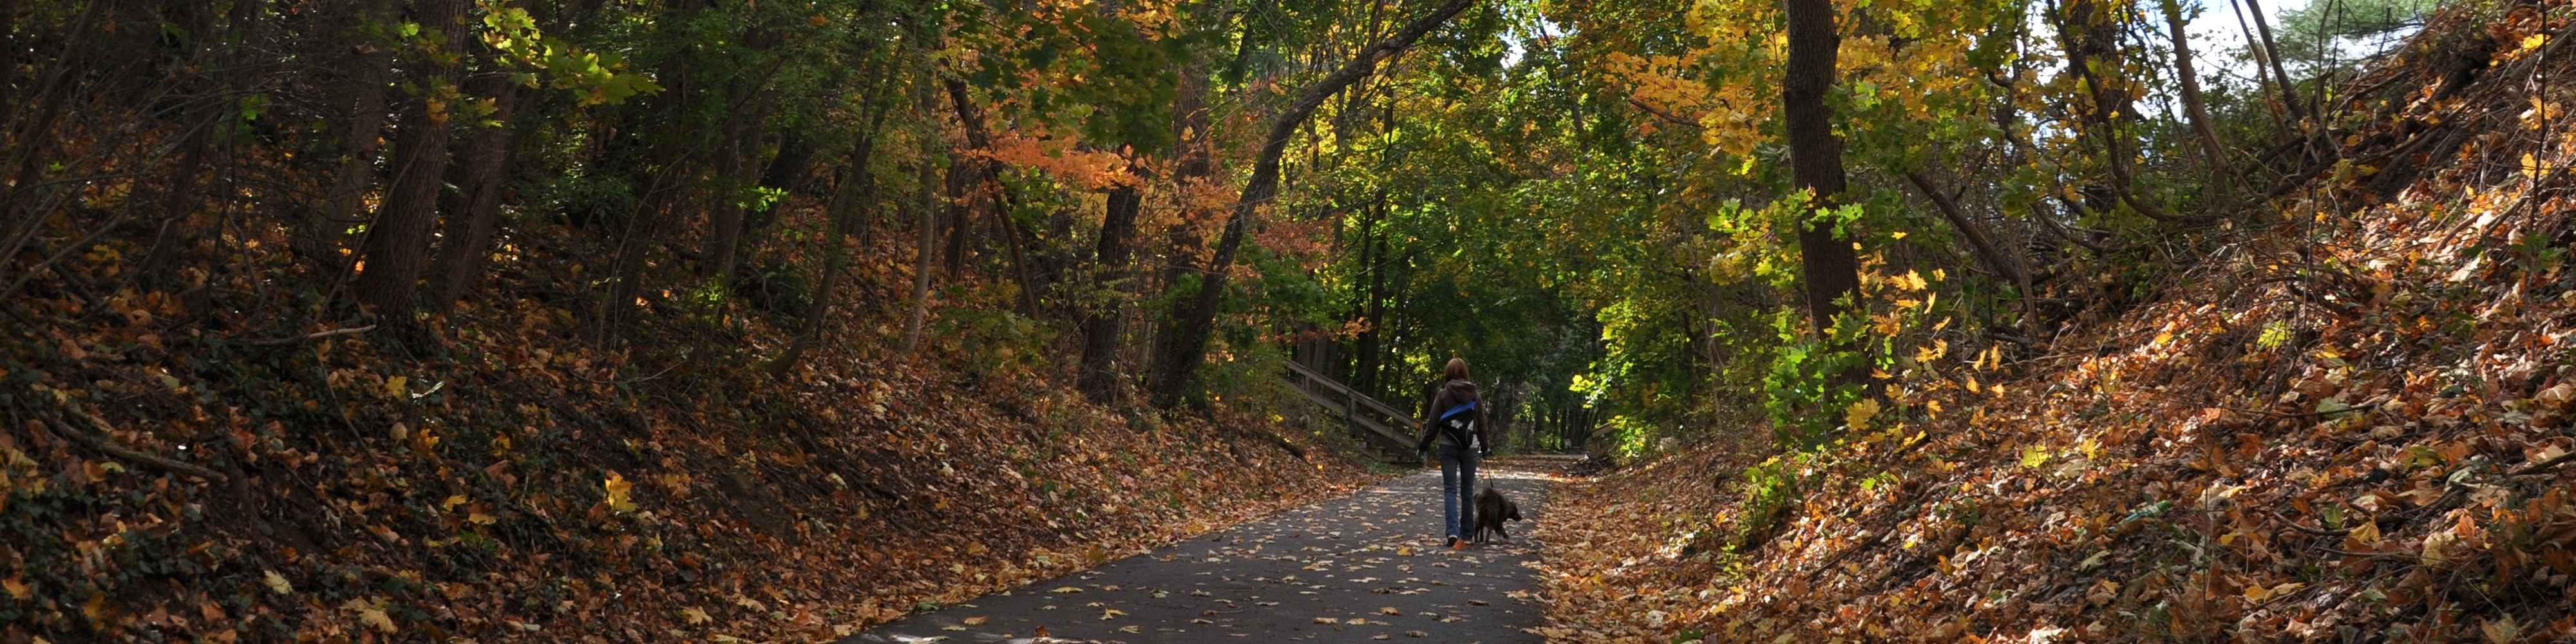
2352	425
197	469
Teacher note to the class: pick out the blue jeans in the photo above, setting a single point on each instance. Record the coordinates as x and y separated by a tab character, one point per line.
1458	489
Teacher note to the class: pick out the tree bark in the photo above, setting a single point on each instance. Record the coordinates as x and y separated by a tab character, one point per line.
397	246
927	230
363	96
2193	107
469	233
960	188
2272	57
1098	378
1830	264
1195	317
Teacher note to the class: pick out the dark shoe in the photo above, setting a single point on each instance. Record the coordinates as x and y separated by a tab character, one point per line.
1453	542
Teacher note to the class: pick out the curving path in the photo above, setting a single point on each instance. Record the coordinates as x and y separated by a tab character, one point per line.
1360	569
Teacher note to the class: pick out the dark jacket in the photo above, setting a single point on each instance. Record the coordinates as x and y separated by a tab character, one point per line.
1451	394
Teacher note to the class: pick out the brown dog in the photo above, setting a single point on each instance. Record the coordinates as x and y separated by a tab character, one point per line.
1491	511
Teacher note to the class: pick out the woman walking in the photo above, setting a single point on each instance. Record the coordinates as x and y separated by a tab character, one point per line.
1455	418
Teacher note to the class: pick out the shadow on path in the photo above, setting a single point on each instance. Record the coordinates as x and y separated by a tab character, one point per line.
1365	568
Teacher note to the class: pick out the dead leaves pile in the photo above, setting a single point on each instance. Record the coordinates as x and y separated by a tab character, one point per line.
527	486
2364	439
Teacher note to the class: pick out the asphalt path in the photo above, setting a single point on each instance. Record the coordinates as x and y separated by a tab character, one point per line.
1364	568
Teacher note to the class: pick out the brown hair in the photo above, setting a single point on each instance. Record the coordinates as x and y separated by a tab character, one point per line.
1457	369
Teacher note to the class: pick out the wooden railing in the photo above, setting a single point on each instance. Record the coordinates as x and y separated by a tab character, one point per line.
1378	422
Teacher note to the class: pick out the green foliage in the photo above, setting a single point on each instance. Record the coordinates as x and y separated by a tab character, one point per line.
1765	494
1804	388
998	342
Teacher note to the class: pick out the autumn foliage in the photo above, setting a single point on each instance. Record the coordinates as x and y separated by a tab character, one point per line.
2350	423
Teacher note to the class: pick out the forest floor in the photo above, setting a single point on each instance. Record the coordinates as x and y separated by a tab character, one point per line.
495	477
1364	567
2351	423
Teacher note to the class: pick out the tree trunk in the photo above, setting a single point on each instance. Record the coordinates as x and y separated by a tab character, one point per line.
788	171
397	247
2272	57
927	229
857	190
994	198
1098	378
1195	318
724	217
2193	107
1830	264
960	189
363	98
2088	31
2008	265
8	58
469	233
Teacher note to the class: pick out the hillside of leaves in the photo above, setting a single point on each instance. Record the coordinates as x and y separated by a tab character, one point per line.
2351	423
191	469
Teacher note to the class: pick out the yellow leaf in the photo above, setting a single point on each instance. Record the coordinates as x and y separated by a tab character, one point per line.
619	491
371	613
1859	413
2034	456
17	585
2362	536
694	615
2257	593
277	583
1064	590
397	386
976	621
2534	41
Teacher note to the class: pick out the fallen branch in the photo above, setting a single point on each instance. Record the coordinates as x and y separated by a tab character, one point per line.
2544	466
2322	532
102	442
317	335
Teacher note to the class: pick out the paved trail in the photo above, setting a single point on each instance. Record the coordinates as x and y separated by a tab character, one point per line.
1370	563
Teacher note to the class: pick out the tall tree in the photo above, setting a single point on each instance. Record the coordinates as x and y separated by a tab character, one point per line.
1098	375
2193	106
857	190
1195	317
397	246
1830	264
